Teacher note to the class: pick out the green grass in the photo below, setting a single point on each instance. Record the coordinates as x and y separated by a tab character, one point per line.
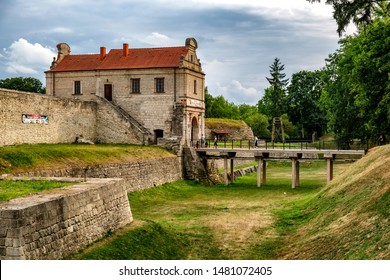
25	158
10	189
349	219
139	244
216	123
240	221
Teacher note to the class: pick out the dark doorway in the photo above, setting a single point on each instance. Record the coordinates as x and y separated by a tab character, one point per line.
194	130
158	133
108	92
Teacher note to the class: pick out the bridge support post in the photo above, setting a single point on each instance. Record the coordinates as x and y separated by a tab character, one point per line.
259	161
294	172
225	176
329	167
261	167
231	170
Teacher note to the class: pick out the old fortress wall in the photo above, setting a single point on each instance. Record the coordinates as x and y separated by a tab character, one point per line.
66	118
62	120
52	224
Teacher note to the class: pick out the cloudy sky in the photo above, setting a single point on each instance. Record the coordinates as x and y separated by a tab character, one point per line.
237	39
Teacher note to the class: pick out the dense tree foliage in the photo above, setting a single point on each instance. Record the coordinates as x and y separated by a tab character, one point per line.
303	97
361	12
259	124
357	95
23	84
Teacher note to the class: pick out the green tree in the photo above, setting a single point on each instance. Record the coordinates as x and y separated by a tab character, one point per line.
246	110
339	103
290	130
23	84
219	107
264	105
275	96
259	125
304	92
360	12
364	68
209	100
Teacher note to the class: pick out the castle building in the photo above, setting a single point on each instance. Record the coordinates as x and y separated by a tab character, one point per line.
162	89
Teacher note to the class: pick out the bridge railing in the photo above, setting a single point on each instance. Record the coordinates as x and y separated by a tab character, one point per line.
301	144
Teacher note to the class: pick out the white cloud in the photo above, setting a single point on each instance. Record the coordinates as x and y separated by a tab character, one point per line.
61	30
157	39
279	8
238	94
26	58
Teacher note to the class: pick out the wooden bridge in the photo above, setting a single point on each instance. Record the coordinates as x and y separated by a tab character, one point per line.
262	155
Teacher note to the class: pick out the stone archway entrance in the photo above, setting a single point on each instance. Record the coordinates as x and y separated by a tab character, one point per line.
194	130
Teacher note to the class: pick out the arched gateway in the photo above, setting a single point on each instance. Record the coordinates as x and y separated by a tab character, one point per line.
194	130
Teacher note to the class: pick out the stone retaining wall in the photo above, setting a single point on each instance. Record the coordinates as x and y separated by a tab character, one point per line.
54	223
138	175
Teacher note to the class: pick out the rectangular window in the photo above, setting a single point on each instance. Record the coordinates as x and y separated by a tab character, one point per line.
159	82
77	87
194	86
135	85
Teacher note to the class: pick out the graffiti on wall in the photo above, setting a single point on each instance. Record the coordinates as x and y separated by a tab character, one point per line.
35	118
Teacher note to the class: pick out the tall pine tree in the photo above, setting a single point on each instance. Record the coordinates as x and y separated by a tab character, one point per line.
276	93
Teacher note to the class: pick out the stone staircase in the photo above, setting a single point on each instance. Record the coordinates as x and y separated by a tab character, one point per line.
134	124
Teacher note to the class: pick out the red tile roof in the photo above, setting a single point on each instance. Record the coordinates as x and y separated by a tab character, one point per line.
137	59
78	63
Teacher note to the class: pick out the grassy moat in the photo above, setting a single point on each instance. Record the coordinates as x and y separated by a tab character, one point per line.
186	220
348	218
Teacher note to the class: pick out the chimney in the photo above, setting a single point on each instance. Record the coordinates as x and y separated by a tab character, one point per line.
125	49
102	53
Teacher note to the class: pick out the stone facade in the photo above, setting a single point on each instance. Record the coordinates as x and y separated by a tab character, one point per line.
54	223
111	76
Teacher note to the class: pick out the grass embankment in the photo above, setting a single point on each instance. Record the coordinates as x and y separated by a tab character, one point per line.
12	189
349	219
25	158
213	123
186	220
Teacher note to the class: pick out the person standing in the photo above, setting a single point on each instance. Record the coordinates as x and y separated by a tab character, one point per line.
202	140
215	142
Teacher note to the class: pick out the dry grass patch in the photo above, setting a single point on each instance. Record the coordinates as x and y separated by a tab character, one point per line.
235	232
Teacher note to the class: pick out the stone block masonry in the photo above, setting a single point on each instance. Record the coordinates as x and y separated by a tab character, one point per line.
54	223
67	118
138	175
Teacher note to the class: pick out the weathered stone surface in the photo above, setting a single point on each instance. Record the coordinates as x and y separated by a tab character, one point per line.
52	224
138	175
68	119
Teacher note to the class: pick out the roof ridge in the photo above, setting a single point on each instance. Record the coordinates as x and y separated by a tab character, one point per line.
80	54
153	48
